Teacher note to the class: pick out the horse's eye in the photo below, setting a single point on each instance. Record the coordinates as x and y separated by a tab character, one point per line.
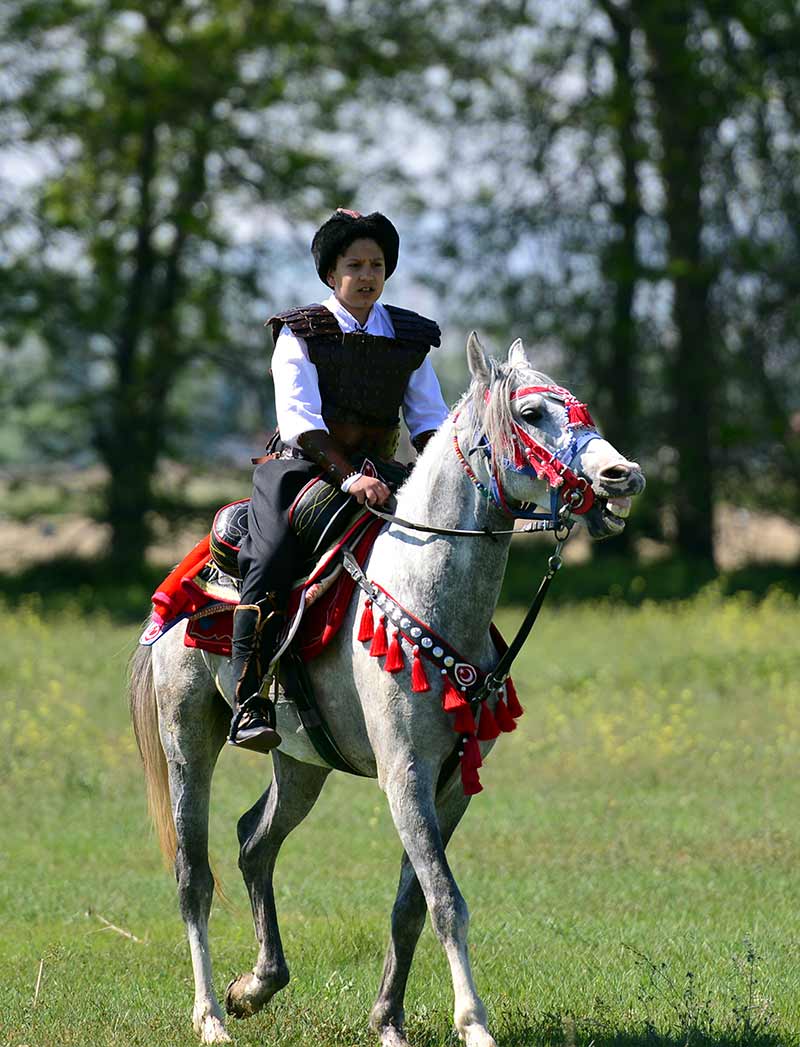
533	410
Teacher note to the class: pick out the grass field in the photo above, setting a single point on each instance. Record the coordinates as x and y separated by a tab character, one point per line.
631	867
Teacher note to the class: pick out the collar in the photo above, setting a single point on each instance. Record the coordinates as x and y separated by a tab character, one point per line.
378	321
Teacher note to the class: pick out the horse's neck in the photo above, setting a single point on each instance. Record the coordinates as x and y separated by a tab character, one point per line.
452	583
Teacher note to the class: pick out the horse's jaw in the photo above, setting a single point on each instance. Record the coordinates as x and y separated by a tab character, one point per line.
615	481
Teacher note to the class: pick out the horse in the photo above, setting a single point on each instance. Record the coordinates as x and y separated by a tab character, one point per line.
514	439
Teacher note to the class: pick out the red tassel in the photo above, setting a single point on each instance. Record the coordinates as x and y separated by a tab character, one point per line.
470	781
379	643
452	700
366	629
419	681
503	717
471	758
487	725
512	701
464	722
394	656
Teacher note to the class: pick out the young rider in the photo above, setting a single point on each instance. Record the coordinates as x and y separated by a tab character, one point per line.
342	370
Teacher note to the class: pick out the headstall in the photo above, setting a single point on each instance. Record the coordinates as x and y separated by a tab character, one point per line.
569	493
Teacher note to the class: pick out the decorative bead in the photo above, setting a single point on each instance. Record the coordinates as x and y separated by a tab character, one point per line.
437	652
397	614
449	662
416	632
427	642
415	649
404	623
443	672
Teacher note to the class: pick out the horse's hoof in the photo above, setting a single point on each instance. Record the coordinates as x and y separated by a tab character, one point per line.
476	1036
247	994
211	1029
390	1036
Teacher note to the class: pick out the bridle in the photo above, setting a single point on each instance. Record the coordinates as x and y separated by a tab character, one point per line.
570	495
531	457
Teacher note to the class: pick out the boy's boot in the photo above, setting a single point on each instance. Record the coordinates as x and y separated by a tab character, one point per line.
255	640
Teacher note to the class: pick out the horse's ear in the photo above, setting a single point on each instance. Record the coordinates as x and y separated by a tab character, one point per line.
517	356
476	358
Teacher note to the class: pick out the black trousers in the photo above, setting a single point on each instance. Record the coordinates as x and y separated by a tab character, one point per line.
269	557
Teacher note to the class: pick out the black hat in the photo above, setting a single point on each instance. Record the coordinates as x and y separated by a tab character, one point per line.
342	228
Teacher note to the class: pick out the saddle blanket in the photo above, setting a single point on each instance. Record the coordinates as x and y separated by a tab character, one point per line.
197	590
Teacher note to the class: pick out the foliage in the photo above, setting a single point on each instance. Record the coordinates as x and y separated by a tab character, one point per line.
169	140
646	225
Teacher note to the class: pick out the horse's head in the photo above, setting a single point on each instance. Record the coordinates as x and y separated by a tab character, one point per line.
540	446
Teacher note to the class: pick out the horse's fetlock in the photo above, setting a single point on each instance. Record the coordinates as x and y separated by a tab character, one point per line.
274	977
386	1014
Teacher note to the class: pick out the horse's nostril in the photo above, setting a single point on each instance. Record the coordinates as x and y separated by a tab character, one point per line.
615	473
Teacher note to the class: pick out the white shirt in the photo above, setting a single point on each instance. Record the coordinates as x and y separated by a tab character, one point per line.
297	398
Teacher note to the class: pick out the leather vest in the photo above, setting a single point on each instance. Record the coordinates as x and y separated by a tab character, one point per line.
362	377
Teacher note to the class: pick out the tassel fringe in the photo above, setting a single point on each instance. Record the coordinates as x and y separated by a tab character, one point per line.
366	629
512	701
452	700
419	681
503	717
487	725
394	656
380	644
490	723
464	722
470	782
472	753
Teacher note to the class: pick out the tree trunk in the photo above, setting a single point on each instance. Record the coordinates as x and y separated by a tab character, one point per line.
621	268
684	117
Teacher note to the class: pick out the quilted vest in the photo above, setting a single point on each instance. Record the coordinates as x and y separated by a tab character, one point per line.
362	377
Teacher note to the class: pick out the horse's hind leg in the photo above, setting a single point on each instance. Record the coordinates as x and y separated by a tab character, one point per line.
193	726
293	792
410	792
408	919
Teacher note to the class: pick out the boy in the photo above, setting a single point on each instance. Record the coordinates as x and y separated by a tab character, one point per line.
342	371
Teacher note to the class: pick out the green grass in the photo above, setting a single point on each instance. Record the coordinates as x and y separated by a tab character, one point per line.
631	866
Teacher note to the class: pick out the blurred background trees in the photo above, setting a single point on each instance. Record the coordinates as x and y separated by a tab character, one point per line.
615	182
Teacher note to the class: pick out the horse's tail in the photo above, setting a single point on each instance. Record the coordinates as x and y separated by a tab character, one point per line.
144	714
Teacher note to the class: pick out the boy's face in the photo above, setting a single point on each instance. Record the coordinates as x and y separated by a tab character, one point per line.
358	277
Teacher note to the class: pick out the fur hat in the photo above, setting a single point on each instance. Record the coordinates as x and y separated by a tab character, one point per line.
342	228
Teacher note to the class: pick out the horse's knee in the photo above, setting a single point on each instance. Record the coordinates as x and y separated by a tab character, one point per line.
195	880
449	915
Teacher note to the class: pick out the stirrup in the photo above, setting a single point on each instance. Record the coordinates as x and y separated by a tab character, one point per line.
259	734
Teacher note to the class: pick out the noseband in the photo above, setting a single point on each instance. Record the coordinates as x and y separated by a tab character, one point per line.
570	494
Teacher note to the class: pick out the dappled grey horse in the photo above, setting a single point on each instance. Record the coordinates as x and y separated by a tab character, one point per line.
511	441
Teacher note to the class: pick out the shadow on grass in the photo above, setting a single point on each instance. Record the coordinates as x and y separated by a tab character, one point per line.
631	582
87	586
83	586
537	1036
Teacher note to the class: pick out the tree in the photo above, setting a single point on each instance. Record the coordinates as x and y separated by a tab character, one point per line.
161	130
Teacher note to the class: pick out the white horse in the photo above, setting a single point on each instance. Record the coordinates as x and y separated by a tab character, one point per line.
495	454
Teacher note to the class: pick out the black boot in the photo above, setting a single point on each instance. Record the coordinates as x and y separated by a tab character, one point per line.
255	634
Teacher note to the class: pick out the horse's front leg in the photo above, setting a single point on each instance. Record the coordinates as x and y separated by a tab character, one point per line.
293	792
410	790
408	919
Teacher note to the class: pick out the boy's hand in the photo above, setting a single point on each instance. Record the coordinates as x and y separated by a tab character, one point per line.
370	489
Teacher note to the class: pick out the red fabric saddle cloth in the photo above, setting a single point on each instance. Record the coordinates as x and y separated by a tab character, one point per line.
199	591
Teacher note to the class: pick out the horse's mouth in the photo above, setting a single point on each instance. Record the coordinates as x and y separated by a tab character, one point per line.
607	517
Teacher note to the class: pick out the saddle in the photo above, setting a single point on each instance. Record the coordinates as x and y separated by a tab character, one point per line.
319	515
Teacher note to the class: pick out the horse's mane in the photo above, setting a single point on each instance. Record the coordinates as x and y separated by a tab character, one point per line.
494	419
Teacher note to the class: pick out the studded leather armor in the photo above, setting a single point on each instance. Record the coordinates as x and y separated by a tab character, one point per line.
362	377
